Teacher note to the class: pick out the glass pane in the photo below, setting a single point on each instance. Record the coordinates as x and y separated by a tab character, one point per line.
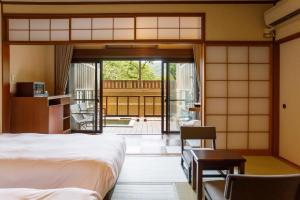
82	90
182	93
132	91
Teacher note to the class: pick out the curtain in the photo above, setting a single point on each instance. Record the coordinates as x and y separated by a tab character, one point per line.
197	50
63	57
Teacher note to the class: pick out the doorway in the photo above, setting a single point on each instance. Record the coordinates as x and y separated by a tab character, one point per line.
180	93
142	97
85	88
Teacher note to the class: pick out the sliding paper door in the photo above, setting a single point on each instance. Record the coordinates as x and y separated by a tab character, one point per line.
238	95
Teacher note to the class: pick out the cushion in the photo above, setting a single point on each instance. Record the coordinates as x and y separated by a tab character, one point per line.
214	189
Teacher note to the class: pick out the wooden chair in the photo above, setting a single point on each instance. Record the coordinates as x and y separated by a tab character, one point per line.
194	133
248	187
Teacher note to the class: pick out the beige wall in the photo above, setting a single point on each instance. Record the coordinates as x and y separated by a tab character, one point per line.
32	63
223	21
290	95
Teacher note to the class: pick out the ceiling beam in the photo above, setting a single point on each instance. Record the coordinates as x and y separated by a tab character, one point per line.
81	2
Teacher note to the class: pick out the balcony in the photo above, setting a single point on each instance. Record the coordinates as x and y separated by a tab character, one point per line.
125	98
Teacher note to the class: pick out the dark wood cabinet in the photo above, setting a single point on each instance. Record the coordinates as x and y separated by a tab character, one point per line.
40	114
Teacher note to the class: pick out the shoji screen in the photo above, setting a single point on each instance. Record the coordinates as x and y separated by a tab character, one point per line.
238	95
130	27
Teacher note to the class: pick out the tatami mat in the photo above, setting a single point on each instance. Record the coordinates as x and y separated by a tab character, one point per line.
161	177
152	169
268	165
145	191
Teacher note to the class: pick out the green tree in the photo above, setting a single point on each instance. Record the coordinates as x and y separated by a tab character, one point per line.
127	70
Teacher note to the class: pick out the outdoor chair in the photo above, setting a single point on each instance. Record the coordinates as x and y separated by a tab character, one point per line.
79	121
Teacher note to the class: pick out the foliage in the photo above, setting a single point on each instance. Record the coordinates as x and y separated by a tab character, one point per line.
127	70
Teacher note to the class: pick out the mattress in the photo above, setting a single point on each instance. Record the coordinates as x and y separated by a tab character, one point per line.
49	194
50	161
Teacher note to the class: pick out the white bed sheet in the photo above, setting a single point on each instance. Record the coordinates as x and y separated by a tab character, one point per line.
52	161
50	194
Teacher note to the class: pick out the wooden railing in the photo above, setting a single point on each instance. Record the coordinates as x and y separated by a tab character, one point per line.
131	84
120	105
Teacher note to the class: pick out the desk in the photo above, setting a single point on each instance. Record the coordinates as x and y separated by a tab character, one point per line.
213	160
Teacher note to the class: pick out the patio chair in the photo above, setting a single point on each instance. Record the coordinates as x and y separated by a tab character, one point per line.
79	122
88	113
249	187
194	133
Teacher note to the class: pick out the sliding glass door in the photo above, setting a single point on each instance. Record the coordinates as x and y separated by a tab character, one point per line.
179	91
85	88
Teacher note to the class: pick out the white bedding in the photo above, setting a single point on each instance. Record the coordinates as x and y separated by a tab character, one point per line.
43	161
50	194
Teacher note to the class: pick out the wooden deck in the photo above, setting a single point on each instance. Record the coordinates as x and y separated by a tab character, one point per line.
150	127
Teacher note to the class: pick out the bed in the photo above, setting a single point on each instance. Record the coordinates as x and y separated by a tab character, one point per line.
49	194
50	161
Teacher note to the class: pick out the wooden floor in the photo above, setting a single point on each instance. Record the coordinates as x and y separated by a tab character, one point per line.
149	127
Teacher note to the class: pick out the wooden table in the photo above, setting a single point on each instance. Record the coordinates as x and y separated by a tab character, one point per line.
214	160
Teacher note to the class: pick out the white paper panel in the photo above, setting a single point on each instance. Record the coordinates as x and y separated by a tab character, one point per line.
216	54
218	121
237	106
102	35
216	106
259	55
190	22
168	22
238	54
238	72
124	34
237	140
237	88
81	35
59	35
39	24
59	24
258	141
216	71
221	141
81	23
216	89
190	34
259	123
259	106
259	72
146	34
259	89
146	22
39	35
19	35
123	22
237	123
18	24
102	23
168	34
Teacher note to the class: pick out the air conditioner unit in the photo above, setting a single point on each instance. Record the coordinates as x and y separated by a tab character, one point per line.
282	10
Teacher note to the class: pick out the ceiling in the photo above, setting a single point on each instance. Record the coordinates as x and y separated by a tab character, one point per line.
143	1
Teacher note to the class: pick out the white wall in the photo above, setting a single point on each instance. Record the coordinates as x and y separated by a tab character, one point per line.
289	141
